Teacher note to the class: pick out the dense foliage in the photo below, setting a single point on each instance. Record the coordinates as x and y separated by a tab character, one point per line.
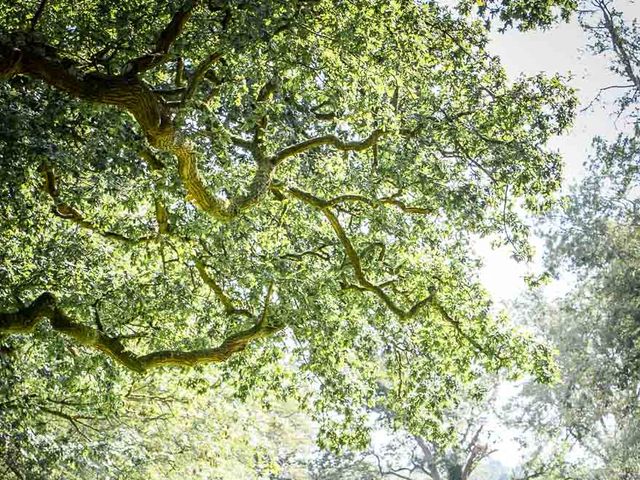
296	180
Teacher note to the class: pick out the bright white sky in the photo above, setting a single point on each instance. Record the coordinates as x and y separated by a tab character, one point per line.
562	50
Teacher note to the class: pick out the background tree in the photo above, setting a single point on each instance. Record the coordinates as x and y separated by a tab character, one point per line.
409	456
396	453
186	179
588	425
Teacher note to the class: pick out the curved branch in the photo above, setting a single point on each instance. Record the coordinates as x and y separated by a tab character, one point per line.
233	344
199	74
165	40
46	306
354	258
22	53
331	140
197	192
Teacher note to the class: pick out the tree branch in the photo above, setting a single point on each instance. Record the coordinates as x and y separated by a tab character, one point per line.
69	418
67	212
429	457
312	252
476	454
198	75
38	15
331	140
266	92
21	53
165	40
354	258
224	210
46	306
618	44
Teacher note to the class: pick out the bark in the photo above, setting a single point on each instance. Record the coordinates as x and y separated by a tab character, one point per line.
429	457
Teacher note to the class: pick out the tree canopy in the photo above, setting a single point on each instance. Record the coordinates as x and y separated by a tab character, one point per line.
300	181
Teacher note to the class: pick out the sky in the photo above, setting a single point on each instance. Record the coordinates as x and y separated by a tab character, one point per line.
559	50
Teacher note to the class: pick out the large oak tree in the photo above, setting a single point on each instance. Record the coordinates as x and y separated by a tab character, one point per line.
301	181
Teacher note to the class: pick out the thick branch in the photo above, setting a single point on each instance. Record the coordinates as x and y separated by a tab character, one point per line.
21	53
331	140
221	209
46	306
232	344
154	163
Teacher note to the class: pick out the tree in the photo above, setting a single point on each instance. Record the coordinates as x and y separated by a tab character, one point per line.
411	456
586	426
597	325
398	454
297	180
